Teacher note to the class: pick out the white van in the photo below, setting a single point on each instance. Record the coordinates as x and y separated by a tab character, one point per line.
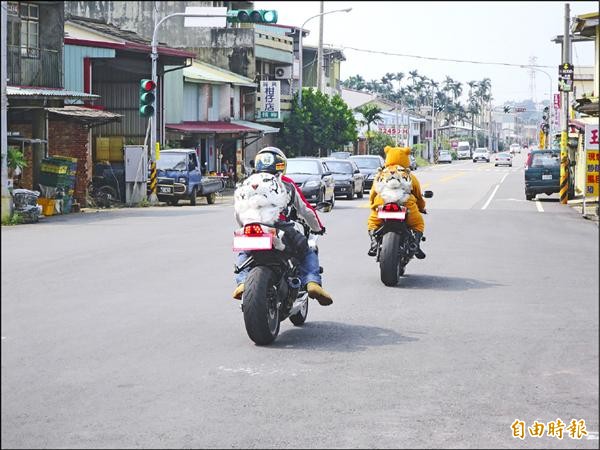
463	151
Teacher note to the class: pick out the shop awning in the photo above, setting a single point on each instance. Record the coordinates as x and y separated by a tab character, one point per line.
208	127
85	115
206	73
265	129
40	92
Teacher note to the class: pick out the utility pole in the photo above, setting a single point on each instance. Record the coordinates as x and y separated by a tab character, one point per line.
320	51
6	199
300	49
564	158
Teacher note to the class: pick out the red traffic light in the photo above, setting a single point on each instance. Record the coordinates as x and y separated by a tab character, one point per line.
147	85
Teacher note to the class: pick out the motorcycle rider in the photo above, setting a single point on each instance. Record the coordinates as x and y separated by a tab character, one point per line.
398	156
276	163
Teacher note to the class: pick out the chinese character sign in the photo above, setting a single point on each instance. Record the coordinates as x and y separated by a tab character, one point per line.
592	161
271	107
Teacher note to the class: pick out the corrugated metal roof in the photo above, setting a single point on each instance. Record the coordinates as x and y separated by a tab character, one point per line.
257	126
211	74
46	93
84	113
208	127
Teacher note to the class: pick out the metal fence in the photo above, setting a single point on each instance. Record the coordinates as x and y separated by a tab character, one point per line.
34	67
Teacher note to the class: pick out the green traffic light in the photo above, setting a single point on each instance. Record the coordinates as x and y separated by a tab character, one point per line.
146	110
252	16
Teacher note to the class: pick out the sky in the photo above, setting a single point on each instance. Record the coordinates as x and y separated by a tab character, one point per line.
503	32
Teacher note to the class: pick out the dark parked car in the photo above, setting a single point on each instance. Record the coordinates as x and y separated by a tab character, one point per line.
340	155
313	177
368	166
542	173
348	179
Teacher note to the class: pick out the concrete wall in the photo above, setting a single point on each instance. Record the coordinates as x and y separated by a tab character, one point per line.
228	48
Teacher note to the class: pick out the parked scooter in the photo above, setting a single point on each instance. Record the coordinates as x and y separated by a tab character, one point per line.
397	242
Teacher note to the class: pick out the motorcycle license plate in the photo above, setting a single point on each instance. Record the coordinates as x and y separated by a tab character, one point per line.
395	215
165	189
546	177
242	243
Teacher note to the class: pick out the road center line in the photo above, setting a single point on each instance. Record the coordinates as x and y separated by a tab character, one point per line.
450	177
539	206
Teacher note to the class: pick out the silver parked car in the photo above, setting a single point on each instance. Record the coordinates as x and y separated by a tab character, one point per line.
444	157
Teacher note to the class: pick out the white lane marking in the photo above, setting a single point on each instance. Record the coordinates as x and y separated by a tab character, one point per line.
491	197
539	206
3	337
494	192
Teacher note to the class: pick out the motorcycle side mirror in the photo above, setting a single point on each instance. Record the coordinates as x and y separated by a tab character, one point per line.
324	206
428	194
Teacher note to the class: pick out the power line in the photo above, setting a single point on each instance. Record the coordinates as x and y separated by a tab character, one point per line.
431	58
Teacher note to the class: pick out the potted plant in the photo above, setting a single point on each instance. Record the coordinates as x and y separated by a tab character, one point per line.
15	162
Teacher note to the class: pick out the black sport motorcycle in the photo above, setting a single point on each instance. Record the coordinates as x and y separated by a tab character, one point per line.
397	242
273	291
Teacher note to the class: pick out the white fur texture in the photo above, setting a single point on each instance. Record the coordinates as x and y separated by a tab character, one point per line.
260	198
395	186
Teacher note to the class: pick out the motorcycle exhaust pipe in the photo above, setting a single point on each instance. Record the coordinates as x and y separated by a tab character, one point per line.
294	282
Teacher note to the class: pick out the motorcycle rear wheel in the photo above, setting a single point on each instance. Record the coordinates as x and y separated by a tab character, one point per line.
261	316
389	259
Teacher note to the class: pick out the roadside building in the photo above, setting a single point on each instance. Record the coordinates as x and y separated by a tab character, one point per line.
41	119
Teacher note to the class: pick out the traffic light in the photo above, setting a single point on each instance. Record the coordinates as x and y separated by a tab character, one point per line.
546	115
507	109
147	97
252	16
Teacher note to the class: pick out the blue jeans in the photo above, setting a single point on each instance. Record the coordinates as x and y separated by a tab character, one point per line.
309	268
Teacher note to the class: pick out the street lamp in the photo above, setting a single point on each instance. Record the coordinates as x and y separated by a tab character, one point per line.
300	49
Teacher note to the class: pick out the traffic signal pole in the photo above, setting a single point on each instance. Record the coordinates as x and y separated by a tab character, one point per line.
250	16
564	157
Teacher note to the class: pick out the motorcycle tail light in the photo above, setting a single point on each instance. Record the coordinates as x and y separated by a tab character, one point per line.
391	207
253	229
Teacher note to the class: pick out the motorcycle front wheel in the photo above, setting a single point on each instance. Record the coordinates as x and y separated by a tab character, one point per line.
389	259
261	315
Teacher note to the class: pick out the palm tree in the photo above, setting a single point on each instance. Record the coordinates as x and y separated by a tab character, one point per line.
473	107
355	82
371	114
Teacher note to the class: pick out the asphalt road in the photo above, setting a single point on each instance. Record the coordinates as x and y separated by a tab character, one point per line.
118	330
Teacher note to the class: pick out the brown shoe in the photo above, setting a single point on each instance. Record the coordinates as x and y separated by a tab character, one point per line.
318	293
237	294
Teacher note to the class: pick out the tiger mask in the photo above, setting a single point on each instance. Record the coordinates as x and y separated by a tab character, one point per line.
394	184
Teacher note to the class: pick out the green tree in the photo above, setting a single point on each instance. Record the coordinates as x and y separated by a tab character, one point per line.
378	141
321	124
371	114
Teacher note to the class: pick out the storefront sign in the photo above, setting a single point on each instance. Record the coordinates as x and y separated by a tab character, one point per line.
393	131
271	103
592	160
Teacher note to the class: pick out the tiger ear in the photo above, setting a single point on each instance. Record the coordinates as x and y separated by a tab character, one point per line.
386	149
